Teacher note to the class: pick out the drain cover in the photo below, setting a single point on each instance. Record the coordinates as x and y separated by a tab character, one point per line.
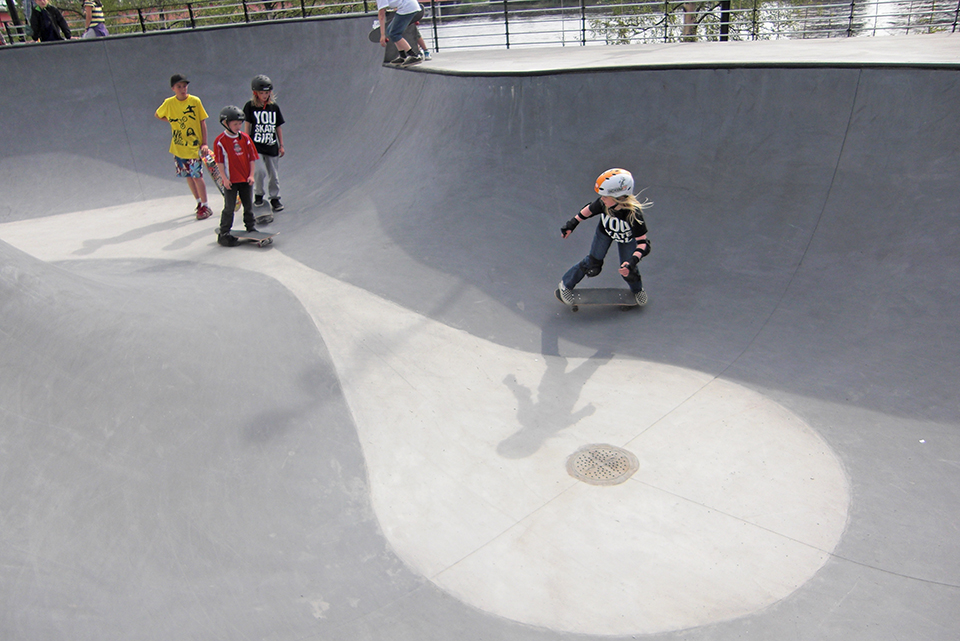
602	464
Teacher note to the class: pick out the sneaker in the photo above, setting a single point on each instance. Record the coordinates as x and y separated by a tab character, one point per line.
204	212
258	200
564	295
641	298
398	60
266	219
227	240
275	205
412	59
426	55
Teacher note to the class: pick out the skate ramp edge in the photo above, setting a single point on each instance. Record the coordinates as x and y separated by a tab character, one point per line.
388	462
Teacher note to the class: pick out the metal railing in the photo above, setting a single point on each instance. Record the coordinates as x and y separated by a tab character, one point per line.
470	24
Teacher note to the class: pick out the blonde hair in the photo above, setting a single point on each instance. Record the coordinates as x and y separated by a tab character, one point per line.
632	204
261	105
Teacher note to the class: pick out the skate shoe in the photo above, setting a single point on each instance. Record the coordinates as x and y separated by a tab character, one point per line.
258	200
641	298
227	240
203	212
564	295
276	205
398	60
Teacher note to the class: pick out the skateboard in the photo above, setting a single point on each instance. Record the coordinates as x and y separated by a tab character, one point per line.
622	298
261	239
375	31
211	164
214	170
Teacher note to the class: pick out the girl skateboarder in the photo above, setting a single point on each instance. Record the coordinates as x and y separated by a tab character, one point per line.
621	221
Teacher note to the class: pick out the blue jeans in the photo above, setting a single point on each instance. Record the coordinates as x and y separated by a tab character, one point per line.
400	23
594	261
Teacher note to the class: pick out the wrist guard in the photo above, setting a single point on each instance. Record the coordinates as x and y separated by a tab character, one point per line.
570	225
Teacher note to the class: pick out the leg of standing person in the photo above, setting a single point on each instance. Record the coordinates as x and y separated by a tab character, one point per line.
245	190
259	173
395	31
226	216
422	43
272	165
192	183
199	190
191	170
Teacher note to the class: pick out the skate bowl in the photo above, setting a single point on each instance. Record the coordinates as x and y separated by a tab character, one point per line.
362	431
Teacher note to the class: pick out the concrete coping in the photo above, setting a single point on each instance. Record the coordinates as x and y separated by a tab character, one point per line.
927	51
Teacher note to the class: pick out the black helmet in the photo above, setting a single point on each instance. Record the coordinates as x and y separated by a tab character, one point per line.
230	112
261	83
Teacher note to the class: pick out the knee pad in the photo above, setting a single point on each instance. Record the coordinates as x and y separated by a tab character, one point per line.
592	266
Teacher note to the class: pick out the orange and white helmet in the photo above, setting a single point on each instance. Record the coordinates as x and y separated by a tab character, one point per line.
614	183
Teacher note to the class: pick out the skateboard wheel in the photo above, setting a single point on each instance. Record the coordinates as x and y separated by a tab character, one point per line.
575	308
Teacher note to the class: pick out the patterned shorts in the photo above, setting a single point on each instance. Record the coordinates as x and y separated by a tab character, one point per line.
189	167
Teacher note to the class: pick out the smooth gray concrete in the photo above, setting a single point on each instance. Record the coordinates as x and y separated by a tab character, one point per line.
186	449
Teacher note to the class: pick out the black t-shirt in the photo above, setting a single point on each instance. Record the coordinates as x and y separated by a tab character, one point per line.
263	127
616	223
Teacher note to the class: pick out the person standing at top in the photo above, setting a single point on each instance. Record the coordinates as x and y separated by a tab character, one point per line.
263	122
94	25
47	23
407	11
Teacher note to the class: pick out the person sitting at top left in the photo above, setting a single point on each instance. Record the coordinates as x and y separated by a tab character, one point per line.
47	23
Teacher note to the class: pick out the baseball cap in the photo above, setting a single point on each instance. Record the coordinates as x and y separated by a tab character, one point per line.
175	78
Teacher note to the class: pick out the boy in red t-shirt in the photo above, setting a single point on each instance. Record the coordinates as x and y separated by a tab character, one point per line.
235	154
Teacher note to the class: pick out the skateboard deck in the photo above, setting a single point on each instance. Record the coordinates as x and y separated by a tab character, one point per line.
214	170
375	31
211	164
261	239
622	298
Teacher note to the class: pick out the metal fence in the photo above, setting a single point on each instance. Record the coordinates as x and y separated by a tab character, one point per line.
471	24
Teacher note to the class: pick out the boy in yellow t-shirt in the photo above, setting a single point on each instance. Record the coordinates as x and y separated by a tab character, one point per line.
187	118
